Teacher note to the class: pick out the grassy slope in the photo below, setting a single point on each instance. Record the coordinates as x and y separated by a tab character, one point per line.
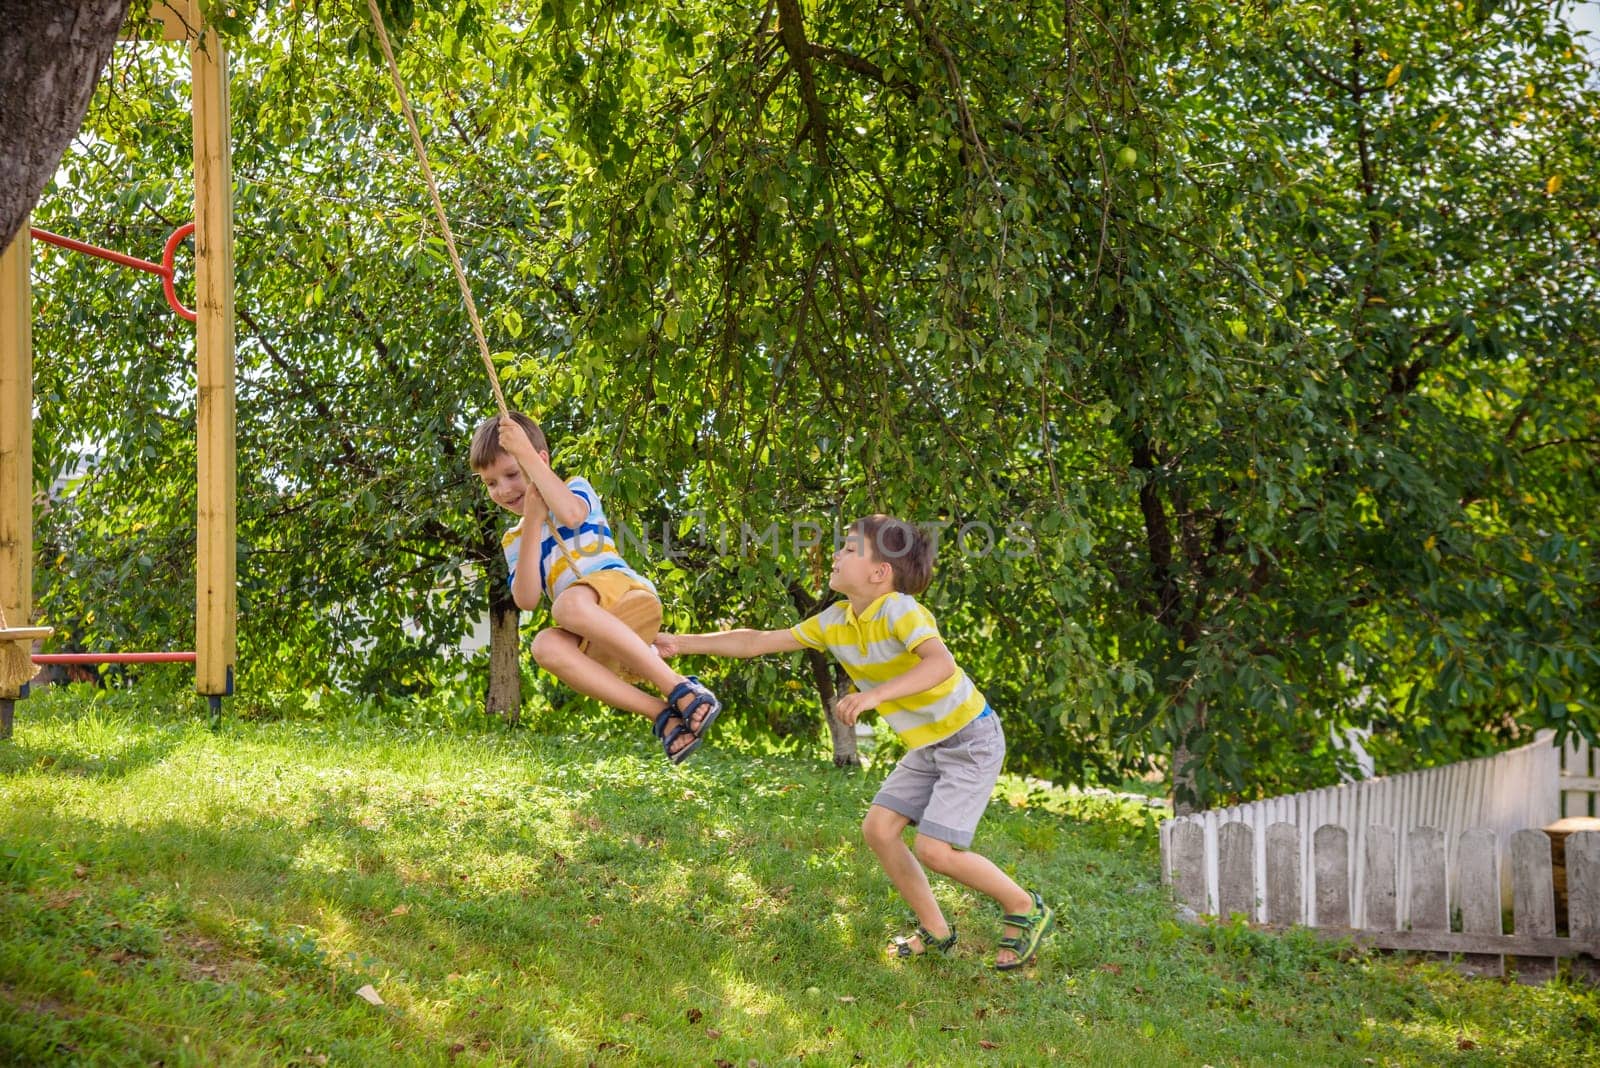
168	894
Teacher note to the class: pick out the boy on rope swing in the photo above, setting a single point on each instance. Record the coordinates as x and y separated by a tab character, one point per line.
605	613
890	646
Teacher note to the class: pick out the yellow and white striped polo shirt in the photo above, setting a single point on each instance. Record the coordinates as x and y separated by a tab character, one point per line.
878	646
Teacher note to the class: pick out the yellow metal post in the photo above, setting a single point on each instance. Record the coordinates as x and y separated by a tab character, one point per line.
216	563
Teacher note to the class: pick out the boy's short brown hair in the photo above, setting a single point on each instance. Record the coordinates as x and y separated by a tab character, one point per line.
486	447
905	547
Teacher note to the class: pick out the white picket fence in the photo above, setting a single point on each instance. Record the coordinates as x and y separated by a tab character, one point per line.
1529	787
1438	913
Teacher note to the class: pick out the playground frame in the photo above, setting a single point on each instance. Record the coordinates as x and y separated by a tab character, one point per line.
216	599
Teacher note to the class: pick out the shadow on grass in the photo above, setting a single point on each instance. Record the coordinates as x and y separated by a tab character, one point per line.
19	757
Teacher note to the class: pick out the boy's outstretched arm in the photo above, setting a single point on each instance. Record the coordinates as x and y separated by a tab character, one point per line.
741	643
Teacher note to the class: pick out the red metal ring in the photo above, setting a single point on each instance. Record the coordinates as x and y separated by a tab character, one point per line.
167	270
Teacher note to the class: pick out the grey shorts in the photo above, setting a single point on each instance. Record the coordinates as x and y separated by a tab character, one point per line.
944	787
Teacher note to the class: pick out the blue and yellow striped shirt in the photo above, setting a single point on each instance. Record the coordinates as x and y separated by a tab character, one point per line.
880	645
593	547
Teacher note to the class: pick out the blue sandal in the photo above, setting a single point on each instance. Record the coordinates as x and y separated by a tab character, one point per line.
668	734
703	698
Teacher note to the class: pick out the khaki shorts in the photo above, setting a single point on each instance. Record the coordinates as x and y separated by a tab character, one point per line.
943	787
630	600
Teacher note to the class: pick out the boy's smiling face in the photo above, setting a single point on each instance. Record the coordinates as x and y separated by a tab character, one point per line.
506	483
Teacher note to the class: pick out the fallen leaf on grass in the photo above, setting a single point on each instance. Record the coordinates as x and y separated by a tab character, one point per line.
400	910
713	1034
62	900
369	994
694	1015
986	1044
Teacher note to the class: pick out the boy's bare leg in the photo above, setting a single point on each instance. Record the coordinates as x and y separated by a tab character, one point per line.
980	874
578	610
557	651
882	829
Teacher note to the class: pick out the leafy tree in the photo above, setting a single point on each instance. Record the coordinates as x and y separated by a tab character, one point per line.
1246	354
1201	293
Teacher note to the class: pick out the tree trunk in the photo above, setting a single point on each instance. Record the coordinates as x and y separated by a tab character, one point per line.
830	687
51	55
504	697
1186	799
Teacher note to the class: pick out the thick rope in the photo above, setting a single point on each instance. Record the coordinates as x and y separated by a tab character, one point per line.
438	207
450	245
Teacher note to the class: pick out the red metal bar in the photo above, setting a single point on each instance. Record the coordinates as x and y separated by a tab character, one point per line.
164	269
95	250
113	658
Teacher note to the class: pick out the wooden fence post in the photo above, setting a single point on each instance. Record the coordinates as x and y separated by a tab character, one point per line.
1583	900
1427	906
1284	903
1331	845
1478	897
1378	900
1188	845
1236	871
1533	900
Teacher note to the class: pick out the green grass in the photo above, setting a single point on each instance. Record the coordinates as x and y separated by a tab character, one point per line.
168	894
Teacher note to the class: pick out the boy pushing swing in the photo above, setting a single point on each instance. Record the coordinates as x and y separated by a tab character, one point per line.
890	646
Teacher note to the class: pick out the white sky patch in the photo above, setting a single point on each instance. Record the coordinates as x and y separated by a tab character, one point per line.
1585	17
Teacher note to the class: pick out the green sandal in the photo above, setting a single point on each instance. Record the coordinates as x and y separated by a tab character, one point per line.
1034	926
901	945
